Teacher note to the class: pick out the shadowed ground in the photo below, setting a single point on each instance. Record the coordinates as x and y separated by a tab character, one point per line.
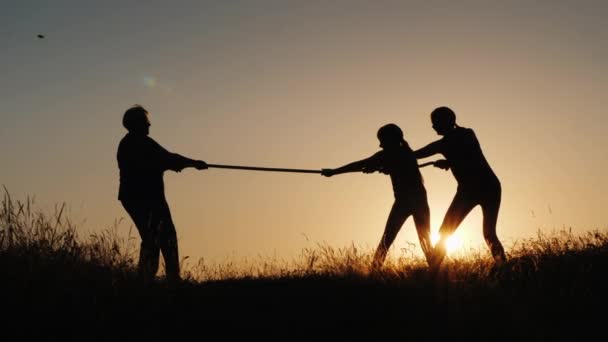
56	286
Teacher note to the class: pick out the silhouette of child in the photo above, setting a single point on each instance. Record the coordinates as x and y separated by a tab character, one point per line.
477	183
397	160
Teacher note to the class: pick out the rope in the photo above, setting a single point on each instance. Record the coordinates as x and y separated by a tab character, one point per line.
257	168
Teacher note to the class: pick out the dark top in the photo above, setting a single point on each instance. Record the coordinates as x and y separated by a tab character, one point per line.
467	162
142	162
402	166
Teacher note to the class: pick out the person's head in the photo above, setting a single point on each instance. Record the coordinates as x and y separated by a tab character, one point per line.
390	136
136	120
444	120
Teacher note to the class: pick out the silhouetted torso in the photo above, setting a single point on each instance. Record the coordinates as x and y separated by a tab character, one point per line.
467	162
402	167
142	162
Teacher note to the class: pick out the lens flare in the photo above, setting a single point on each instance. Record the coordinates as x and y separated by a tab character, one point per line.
149	81
452	244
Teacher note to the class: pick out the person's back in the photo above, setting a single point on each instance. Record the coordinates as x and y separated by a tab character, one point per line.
141	169
468	164
401	165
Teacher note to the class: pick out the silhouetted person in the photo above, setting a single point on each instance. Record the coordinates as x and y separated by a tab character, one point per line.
477	183
142	162
397	160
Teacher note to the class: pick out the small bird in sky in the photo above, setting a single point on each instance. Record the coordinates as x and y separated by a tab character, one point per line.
41	36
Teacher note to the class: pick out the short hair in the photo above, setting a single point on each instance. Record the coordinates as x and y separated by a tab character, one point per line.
133	116
444	114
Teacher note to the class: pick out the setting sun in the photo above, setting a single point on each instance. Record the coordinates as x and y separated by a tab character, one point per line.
453	242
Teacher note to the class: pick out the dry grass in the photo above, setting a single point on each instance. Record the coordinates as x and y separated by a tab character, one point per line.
52	238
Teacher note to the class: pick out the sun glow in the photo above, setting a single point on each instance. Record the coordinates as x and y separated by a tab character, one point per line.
453	243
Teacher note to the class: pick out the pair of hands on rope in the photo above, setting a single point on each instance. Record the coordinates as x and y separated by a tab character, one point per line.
197	164
441	164
200	165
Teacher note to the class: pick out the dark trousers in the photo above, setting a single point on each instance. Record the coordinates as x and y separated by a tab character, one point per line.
464	201
401	210
157	232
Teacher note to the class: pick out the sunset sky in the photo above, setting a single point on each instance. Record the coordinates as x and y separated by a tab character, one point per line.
305	84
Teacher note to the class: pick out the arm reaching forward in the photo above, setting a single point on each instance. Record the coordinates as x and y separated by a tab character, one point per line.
178	163
428	150
431	149
367	165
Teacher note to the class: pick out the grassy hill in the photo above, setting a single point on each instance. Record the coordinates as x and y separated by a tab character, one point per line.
58	286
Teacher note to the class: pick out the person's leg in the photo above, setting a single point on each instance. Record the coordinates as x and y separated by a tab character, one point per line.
168	244
422	220
461	206
144	219
490	207
396	218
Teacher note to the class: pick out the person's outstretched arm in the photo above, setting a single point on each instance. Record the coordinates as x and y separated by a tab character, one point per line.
428	150
431	149
367	165
176	162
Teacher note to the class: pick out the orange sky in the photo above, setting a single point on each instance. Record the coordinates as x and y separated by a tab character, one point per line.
305	86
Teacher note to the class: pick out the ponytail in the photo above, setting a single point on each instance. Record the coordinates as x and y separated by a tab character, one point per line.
406	145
